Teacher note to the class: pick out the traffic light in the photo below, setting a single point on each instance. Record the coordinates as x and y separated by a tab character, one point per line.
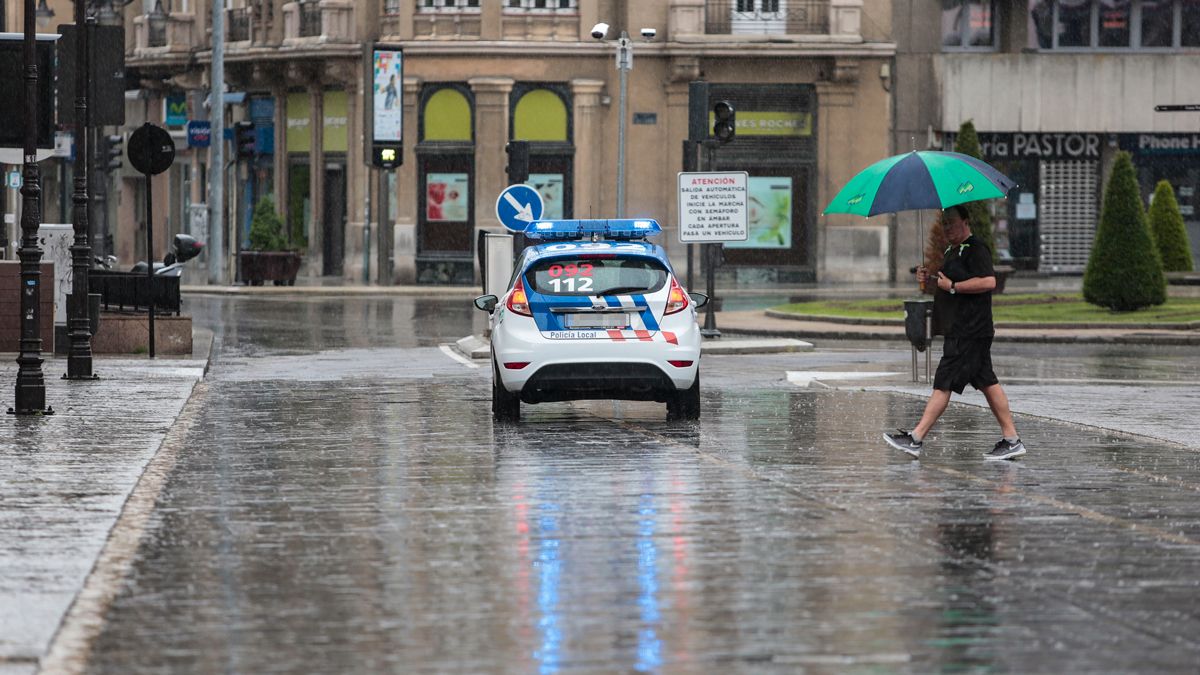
518	161
725	125
112	150
387	156
244	141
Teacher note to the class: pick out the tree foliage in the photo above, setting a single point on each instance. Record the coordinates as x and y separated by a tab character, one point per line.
1124	270
266	228
967	143
1170	235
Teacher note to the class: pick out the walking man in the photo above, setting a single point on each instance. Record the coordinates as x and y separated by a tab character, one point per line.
965	282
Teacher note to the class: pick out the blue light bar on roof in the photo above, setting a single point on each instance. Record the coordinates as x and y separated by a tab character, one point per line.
625	228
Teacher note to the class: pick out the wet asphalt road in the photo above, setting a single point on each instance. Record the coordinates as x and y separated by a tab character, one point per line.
343	503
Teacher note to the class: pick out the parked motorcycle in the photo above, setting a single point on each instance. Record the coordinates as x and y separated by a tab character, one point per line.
183	248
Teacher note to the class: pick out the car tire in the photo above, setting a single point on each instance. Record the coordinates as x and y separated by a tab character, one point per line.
506	406
685	405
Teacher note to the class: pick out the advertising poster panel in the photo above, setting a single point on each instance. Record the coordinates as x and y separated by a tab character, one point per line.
388	93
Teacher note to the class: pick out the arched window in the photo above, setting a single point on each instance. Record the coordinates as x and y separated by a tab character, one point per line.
540	115
447	116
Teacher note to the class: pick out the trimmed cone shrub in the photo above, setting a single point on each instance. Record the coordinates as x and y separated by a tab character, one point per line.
1124	271
967	143
266	228
1166	224
935	248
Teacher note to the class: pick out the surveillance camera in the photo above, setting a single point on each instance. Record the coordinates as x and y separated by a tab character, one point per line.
649	33
599	31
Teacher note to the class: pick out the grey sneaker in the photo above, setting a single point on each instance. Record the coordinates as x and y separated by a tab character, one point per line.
904	441
1006	450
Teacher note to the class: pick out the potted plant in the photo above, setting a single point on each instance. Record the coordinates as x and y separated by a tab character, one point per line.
268	258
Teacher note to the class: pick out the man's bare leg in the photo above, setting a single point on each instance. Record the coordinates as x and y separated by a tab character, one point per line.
998	402
938	401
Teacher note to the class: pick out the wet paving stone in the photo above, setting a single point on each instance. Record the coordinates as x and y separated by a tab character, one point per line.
343	506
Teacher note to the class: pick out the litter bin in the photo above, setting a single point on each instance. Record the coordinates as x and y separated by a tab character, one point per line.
918	320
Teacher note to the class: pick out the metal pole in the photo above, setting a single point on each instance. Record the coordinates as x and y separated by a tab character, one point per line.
216	162
31	386
710	259
623	66
367	229
79	325
150	243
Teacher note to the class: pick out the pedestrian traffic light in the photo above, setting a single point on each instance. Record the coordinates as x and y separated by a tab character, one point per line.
243	138
725	124
113	149
387	156
518	161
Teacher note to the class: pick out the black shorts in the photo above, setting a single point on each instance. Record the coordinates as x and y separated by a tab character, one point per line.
965	361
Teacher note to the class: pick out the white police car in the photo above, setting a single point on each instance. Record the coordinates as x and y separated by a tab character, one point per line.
594	312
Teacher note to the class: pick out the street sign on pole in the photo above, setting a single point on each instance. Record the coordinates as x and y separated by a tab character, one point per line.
712	206
517	206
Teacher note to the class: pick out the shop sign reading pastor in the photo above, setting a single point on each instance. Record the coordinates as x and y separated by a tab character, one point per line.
1018	145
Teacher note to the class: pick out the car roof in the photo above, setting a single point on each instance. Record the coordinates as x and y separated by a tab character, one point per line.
562	249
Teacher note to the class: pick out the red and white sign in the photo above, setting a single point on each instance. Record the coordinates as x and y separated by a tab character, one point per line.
712	206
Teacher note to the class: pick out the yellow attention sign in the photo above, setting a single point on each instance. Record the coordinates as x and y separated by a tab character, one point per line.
770	123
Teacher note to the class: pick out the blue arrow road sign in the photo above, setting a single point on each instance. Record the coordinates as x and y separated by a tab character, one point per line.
518	206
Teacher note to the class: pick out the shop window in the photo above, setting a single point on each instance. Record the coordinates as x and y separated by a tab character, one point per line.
540	114
968	24
446	116
1114	24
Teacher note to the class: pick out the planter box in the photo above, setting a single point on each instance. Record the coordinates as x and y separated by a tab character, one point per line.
279	267
10	307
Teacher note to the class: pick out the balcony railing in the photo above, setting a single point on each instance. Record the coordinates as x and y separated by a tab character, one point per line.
767	17
156	33
310	18
239	24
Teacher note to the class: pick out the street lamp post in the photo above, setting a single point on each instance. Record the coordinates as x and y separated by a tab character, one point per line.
79	357
31	386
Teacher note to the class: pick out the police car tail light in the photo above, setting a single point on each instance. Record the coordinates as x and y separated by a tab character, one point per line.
677	301
518	303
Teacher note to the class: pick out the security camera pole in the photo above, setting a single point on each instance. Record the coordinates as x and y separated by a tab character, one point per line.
624	65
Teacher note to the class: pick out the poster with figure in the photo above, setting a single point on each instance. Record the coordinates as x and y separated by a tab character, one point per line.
550	187
446	197
388	91
769	213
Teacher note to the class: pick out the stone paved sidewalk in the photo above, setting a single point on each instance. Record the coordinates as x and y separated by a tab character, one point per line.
64	479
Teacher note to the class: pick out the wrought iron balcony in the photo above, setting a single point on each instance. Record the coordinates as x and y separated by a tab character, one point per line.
767	17
310	18
156	33
238	20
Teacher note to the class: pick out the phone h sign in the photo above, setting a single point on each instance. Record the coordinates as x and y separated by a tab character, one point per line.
712	206
518	206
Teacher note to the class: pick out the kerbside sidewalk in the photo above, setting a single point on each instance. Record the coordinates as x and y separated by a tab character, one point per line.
65	478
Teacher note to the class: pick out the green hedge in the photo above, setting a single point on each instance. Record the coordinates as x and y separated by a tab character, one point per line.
1166	224
1124	270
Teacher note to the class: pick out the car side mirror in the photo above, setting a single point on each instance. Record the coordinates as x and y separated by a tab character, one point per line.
486	303
699	298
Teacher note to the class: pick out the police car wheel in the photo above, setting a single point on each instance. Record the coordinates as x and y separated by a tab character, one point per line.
685	405
505	406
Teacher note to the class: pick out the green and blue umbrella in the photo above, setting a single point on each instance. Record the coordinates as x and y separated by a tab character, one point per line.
920	180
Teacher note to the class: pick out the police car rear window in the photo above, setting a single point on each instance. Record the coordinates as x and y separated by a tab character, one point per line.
588	275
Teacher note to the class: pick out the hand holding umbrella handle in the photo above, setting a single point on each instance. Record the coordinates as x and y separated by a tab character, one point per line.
922	275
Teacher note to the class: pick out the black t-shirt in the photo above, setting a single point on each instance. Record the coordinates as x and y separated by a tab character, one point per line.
966	315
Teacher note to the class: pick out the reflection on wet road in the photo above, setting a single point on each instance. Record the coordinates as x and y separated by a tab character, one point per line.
345	504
